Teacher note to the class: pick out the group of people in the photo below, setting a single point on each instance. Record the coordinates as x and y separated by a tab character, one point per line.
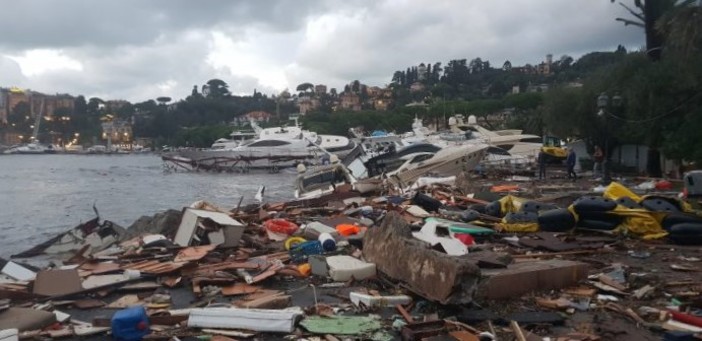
571	157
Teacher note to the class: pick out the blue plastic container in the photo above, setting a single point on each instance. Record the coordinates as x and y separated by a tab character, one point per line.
130	324
302	251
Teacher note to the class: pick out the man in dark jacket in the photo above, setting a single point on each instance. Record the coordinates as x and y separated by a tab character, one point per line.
570	163
542	164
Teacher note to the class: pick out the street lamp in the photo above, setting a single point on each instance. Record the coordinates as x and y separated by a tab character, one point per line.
603	104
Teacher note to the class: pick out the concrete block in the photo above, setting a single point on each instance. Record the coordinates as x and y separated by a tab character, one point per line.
522	278
431	274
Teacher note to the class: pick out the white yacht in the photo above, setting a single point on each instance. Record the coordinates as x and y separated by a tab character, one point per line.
512	140
445	162
272	149
377	143
31	148
235	139
506	146
401	169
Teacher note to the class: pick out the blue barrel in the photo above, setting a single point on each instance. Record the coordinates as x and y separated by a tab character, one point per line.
130	324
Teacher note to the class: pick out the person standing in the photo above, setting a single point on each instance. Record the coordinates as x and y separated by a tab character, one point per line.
542	165
570	163
598	157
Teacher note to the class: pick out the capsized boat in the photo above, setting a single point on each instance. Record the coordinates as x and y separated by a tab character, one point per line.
317	181
93	235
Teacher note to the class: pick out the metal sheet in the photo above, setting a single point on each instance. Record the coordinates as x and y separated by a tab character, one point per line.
263	320
18	272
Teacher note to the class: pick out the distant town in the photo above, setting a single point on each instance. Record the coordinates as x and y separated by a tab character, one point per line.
211	111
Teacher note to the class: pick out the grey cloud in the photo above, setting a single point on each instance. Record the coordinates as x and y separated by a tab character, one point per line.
373	46
129	47
10	73
72	23
135	73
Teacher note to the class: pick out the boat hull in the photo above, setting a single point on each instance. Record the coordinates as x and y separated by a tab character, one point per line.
238	160
464	158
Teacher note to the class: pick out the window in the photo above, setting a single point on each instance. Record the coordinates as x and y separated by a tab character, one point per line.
498	151
531	140
269	143
420	158
322	178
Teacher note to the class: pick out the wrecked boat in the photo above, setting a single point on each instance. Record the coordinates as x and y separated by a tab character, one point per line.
92	235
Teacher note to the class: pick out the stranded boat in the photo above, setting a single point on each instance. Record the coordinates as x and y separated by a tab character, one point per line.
272	149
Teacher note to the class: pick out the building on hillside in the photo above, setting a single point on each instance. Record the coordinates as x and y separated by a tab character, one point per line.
378	92
4	111
381	103
52	103
306	104
515	89
546	67
320	89
374	91
499	119
416	87
117	132
258	116
14	97
350	101
537	88
422	72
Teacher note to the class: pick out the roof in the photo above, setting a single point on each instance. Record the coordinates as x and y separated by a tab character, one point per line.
258	114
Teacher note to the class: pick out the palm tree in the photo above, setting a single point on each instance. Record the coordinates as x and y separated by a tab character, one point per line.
647	14
682	29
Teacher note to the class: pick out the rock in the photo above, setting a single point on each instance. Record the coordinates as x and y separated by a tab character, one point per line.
431	274
165	223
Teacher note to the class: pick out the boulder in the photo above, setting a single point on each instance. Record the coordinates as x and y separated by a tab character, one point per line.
165	223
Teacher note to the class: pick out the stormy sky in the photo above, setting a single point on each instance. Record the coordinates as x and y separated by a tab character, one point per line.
142	49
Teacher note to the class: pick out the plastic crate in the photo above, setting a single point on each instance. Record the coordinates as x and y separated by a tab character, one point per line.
301	252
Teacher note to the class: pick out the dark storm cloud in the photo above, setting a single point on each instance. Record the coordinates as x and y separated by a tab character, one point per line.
520	31
70	23
137	49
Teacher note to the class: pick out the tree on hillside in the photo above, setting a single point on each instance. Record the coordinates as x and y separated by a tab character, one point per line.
565	61
398	78
356	86
163	100
436	72
80	107
95	105
305	87
216	88
507	66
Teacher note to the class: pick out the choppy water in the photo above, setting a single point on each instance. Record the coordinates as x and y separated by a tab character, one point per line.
41	195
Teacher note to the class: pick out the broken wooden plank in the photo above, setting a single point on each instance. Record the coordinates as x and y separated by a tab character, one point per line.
517	331
404	313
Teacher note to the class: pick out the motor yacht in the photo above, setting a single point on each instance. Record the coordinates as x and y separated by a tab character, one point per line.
31	148
445	162
511	140
272	149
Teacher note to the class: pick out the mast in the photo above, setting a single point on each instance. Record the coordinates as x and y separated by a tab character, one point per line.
37	120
